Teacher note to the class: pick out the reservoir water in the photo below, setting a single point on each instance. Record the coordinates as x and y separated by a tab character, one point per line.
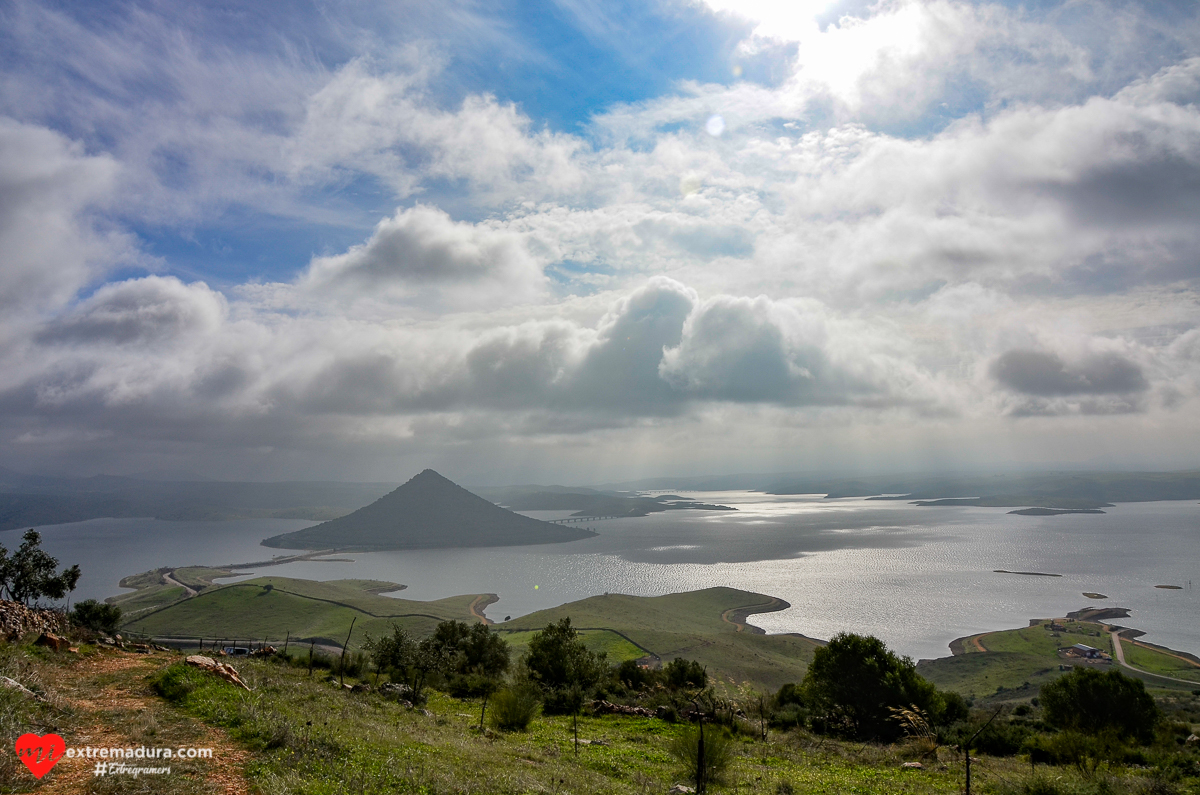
916	577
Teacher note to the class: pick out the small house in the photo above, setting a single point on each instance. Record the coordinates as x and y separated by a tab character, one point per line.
1083	650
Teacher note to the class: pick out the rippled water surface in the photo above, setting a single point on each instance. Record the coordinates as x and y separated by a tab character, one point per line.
917	577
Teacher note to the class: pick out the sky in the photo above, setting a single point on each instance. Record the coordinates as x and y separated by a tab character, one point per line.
577	241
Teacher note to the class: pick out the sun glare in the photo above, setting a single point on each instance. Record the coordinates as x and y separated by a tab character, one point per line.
790	21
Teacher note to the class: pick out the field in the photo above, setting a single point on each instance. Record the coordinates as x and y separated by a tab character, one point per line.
1160	661
272	607
616	647
1013	664
699	625
707	626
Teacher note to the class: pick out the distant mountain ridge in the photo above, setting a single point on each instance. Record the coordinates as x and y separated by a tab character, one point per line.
37	500
429	511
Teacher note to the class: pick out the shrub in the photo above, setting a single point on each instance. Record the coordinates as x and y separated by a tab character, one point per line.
1095	702
1085	751
97	616
681	673
1000	738
635	677
174	683
513	709
718	752
788	716
854	682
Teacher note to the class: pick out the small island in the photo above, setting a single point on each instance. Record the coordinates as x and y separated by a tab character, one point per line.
427	512
1053	511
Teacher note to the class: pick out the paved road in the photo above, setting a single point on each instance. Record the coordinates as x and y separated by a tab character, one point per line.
1120	654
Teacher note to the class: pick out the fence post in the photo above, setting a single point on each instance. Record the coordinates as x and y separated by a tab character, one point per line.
967	745
342	666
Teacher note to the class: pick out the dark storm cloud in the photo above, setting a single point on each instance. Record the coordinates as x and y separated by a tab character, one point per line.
1044	374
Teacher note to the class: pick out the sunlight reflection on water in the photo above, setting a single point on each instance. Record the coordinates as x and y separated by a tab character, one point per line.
917	577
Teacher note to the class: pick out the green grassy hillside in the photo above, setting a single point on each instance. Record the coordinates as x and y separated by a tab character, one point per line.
707	626
699	625
305	608
1011	665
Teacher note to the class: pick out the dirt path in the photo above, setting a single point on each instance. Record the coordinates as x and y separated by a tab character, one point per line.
169	580
737	615
114	708
480	604
977	641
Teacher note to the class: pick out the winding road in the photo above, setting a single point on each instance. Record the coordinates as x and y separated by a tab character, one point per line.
1119	653
480	604
169	580
733	614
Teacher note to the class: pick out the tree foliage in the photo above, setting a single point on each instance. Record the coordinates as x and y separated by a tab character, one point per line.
562	667
30	574
1094	702
855	682
680	674
96	616
470	658
476	657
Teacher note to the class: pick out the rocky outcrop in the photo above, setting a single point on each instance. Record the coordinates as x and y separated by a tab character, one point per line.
223	670
609	708
52	641
17	620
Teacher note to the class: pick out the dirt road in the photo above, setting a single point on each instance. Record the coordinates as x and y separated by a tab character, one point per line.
114	707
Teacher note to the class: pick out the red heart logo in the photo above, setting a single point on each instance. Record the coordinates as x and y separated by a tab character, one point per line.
40	753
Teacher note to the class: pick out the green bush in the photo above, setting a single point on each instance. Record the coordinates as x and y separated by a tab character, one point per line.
718	752
1086	752
1095	702
96	616
175	683
855	682
680	674
1001	738
513	709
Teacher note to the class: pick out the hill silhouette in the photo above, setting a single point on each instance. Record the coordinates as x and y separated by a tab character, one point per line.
426	512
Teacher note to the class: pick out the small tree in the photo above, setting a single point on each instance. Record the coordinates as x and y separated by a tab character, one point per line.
704	754
1095	702
477	659
855	681
97	616
30	574
564	669
393	654
685	674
